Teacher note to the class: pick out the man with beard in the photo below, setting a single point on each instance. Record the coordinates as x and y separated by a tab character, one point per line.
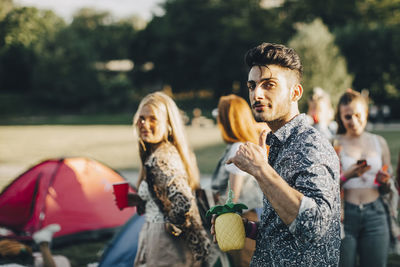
298	174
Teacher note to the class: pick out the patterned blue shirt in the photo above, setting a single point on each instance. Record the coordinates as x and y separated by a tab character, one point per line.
309	164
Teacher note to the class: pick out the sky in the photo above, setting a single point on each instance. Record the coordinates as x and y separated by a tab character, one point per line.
118	8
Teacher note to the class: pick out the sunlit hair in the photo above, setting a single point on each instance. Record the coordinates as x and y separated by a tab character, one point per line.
161	102
275	54
320	101
348	97
235	120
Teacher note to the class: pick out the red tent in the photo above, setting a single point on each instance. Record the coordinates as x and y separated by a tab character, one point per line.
74	192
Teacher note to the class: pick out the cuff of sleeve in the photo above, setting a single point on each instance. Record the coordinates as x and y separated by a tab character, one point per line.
251	230
306	202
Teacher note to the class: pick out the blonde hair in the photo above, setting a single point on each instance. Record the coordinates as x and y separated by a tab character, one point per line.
235	120
175	135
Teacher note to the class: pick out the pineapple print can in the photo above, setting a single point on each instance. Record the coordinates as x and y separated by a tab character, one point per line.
229	228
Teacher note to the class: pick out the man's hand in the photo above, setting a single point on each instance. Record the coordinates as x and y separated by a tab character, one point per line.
250	157
213	227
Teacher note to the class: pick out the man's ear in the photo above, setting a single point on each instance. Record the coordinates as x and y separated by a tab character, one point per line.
297	92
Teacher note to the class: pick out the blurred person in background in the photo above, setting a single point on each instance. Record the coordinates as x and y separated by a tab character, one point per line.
366	180
173	234
237	125
321	113
15	253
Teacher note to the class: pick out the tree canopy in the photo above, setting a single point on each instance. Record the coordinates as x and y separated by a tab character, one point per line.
196	46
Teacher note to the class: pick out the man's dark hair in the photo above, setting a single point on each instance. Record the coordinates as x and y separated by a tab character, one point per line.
274	54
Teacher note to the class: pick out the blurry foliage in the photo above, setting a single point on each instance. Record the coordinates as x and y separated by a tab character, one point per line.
5	7
23	34
373	54
195	45
200	44
323	64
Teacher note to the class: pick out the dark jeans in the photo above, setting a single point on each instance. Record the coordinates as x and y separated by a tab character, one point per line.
366	235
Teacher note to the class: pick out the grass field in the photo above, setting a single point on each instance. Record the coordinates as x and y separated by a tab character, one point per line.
115	145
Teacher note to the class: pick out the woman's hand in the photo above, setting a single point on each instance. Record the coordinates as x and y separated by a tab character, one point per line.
356	170
135	200
382	177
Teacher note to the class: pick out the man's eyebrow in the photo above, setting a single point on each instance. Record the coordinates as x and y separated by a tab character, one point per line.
263	80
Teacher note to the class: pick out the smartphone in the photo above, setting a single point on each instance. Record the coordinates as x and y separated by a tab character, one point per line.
362	162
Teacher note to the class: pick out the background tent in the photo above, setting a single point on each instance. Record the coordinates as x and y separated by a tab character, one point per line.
73	192
121	251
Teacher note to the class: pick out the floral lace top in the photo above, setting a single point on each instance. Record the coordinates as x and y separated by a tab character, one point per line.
167	182
153	213
309	164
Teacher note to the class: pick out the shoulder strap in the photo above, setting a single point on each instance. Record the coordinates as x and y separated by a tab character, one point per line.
377	144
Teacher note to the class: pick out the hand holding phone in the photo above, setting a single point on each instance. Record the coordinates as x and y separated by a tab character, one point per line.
362	162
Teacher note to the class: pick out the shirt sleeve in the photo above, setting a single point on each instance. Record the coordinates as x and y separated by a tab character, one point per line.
319	206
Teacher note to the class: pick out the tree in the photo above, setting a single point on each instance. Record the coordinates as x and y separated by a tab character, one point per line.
374	56
200	44
5	7
323	64
66	76
23	34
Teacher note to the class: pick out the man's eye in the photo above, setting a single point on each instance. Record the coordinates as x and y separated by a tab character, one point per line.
267	85
251	86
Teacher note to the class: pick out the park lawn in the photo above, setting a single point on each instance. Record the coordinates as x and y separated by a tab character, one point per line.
22	147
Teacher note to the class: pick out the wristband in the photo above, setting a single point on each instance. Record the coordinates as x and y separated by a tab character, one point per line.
251	230
343	178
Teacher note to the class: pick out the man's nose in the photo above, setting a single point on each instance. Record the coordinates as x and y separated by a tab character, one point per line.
258	93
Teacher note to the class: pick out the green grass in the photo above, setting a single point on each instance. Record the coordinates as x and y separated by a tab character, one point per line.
80	254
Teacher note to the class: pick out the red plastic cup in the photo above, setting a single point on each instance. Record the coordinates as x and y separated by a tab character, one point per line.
121	194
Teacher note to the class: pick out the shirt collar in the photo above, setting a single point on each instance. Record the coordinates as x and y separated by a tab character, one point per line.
283	133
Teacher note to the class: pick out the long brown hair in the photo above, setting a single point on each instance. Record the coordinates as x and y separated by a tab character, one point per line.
236	121
176	136
348	97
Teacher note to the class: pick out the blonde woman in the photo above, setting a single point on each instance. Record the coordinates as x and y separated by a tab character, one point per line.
365	180
237	126
173	234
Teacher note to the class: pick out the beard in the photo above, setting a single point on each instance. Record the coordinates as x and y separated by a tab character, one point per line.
273	114
260	116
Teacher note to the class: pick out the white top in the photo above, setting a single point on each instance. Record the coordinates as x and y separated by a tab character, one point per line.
153	213
367	180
